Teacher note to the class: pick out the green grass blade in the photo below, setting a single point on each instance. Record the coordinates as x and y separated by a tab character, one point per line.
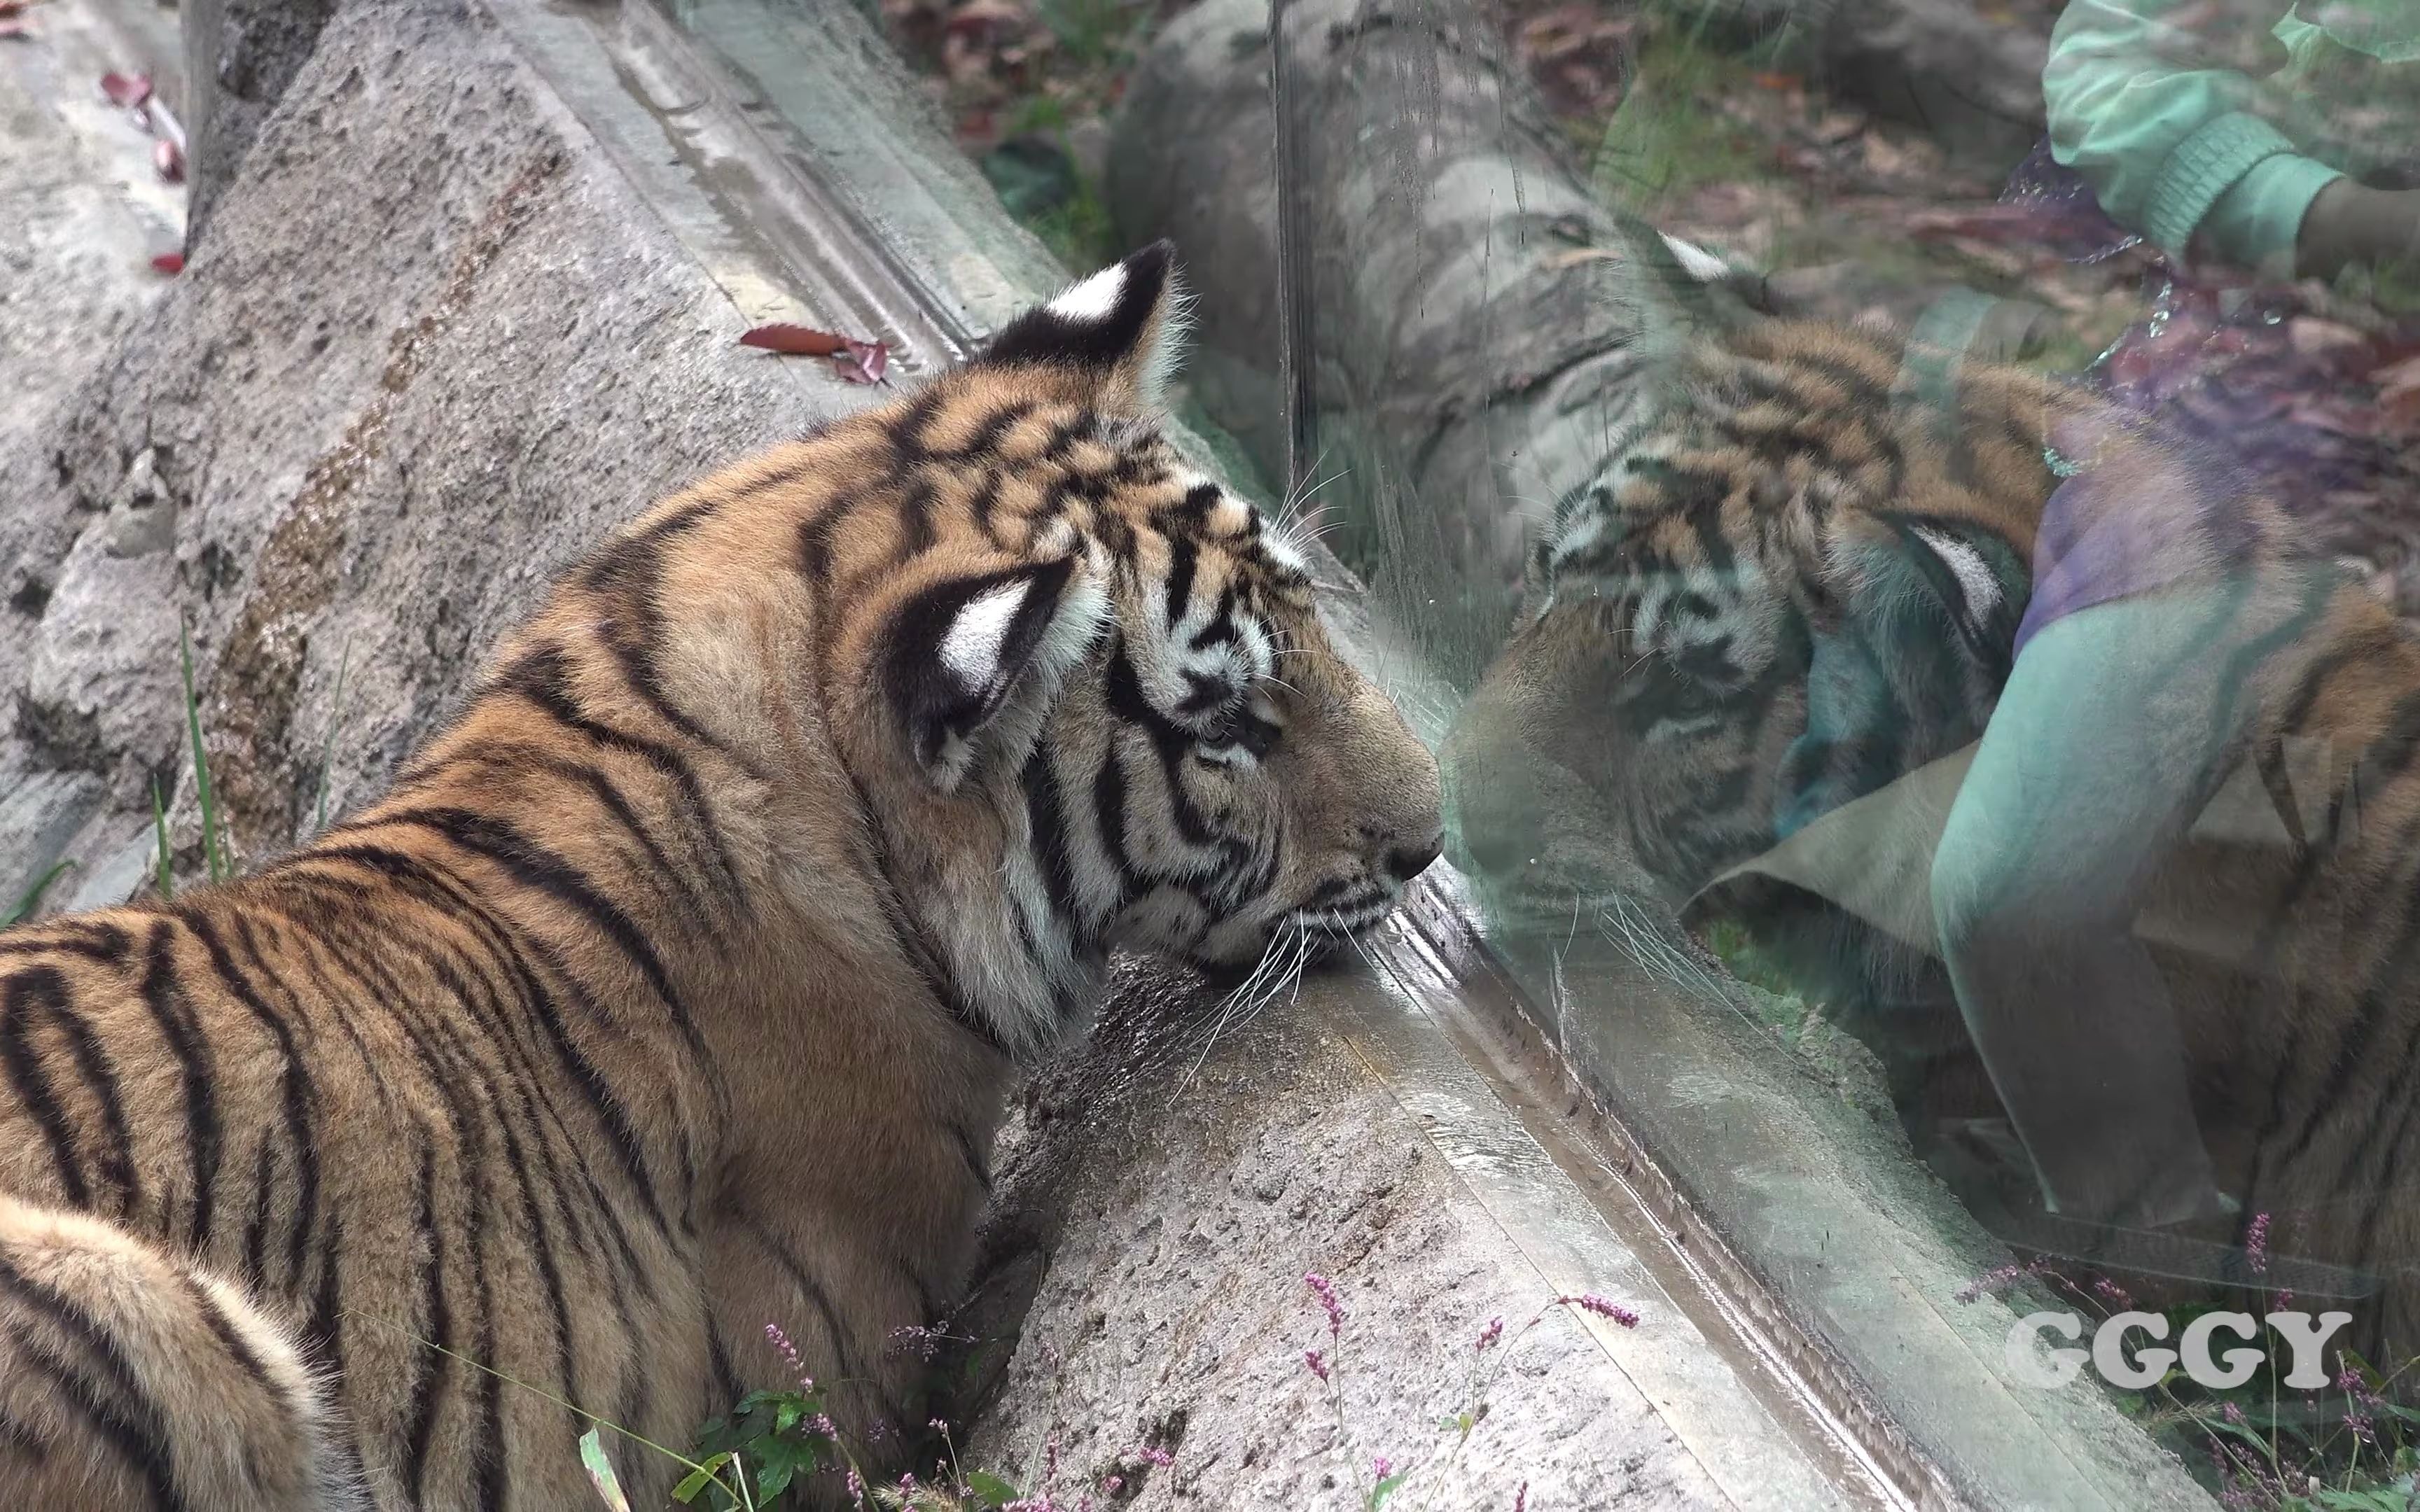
160	838
210	850
328	749
22	908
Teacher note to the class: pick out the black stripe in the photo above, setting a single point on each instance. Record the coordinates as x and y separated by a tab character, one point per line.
540	870
509	757
916	520
295	1090
543	678
29	1081
428	1365
629	571
197	1068
1183	560
512	949
130	1420
987	433
224	1328
814	542
255	1228
1047	824
116	1159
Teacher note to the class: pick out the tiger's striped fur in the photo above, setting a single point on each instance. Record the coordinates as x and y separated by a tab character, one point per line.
1641	732
676	987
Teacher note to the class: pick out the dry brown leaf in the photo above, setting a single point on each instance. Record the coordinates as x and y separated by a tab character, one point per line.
794	341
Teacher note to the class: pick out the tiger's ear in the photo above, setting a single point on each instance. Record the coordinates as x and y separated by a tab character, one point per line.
987	652
1125	326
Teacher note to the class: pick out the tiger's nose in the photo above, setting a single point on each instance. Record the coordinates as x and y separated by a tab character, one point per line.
1409	861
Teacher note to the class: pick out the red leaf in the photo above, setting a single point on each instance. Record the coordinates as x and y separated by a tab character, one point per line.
864	362
128	90
794	341
171	263
168	159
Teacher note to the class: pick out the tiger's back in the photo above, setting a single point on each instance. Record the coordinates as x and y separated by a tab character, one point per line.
676	987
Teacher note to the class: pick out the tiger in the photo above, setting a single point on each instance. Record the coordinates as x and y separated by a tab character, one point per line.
1650	730
678	984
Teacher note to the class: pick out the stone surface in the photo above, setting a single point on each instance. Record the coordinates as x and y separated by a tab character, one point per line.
1171	1312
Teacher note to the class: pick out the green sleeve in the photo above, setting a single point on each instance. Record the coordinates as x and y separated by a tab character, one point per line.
2161	140
2261	215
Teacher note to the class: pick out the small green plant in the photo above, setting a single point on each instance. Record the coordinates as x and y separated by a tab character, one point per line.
164	876
22	909
213	853
328	745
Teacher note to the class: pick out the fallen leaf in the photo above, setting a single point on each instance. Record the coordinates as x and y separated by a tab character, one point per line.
794	341
126	91
171	263
1775	81
166	157
864	361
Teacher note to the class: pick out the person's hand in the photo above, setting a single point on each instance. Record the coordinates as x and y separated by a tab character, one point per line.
2351	225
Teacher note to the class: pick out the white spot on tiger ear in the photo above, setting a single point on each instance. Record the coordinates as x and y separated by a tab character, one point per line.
1967	566
1572	542
1285	553
971	648
1092	300
1697	261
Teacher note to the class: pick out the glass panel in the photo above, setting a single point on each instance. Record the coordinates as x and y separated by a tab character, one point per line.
1913	503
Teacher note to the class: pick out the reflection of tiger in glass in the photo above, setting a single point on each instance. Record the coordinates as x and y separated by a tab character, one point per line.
1796	584
677	986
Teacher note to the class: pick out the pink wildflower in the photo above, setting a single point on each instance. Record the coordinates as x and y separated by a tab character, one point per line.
1381	1468
1488	1335
1324	1290
1158	1456
1521	1498
789	1353
2256	1243
856	1487
2112	1291
1991	1283
1317	1362
1114	1485
1591	1303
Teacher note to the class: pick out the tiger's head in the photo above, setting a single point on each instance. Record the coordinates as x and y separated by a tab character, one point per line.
1785	589
1084	689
